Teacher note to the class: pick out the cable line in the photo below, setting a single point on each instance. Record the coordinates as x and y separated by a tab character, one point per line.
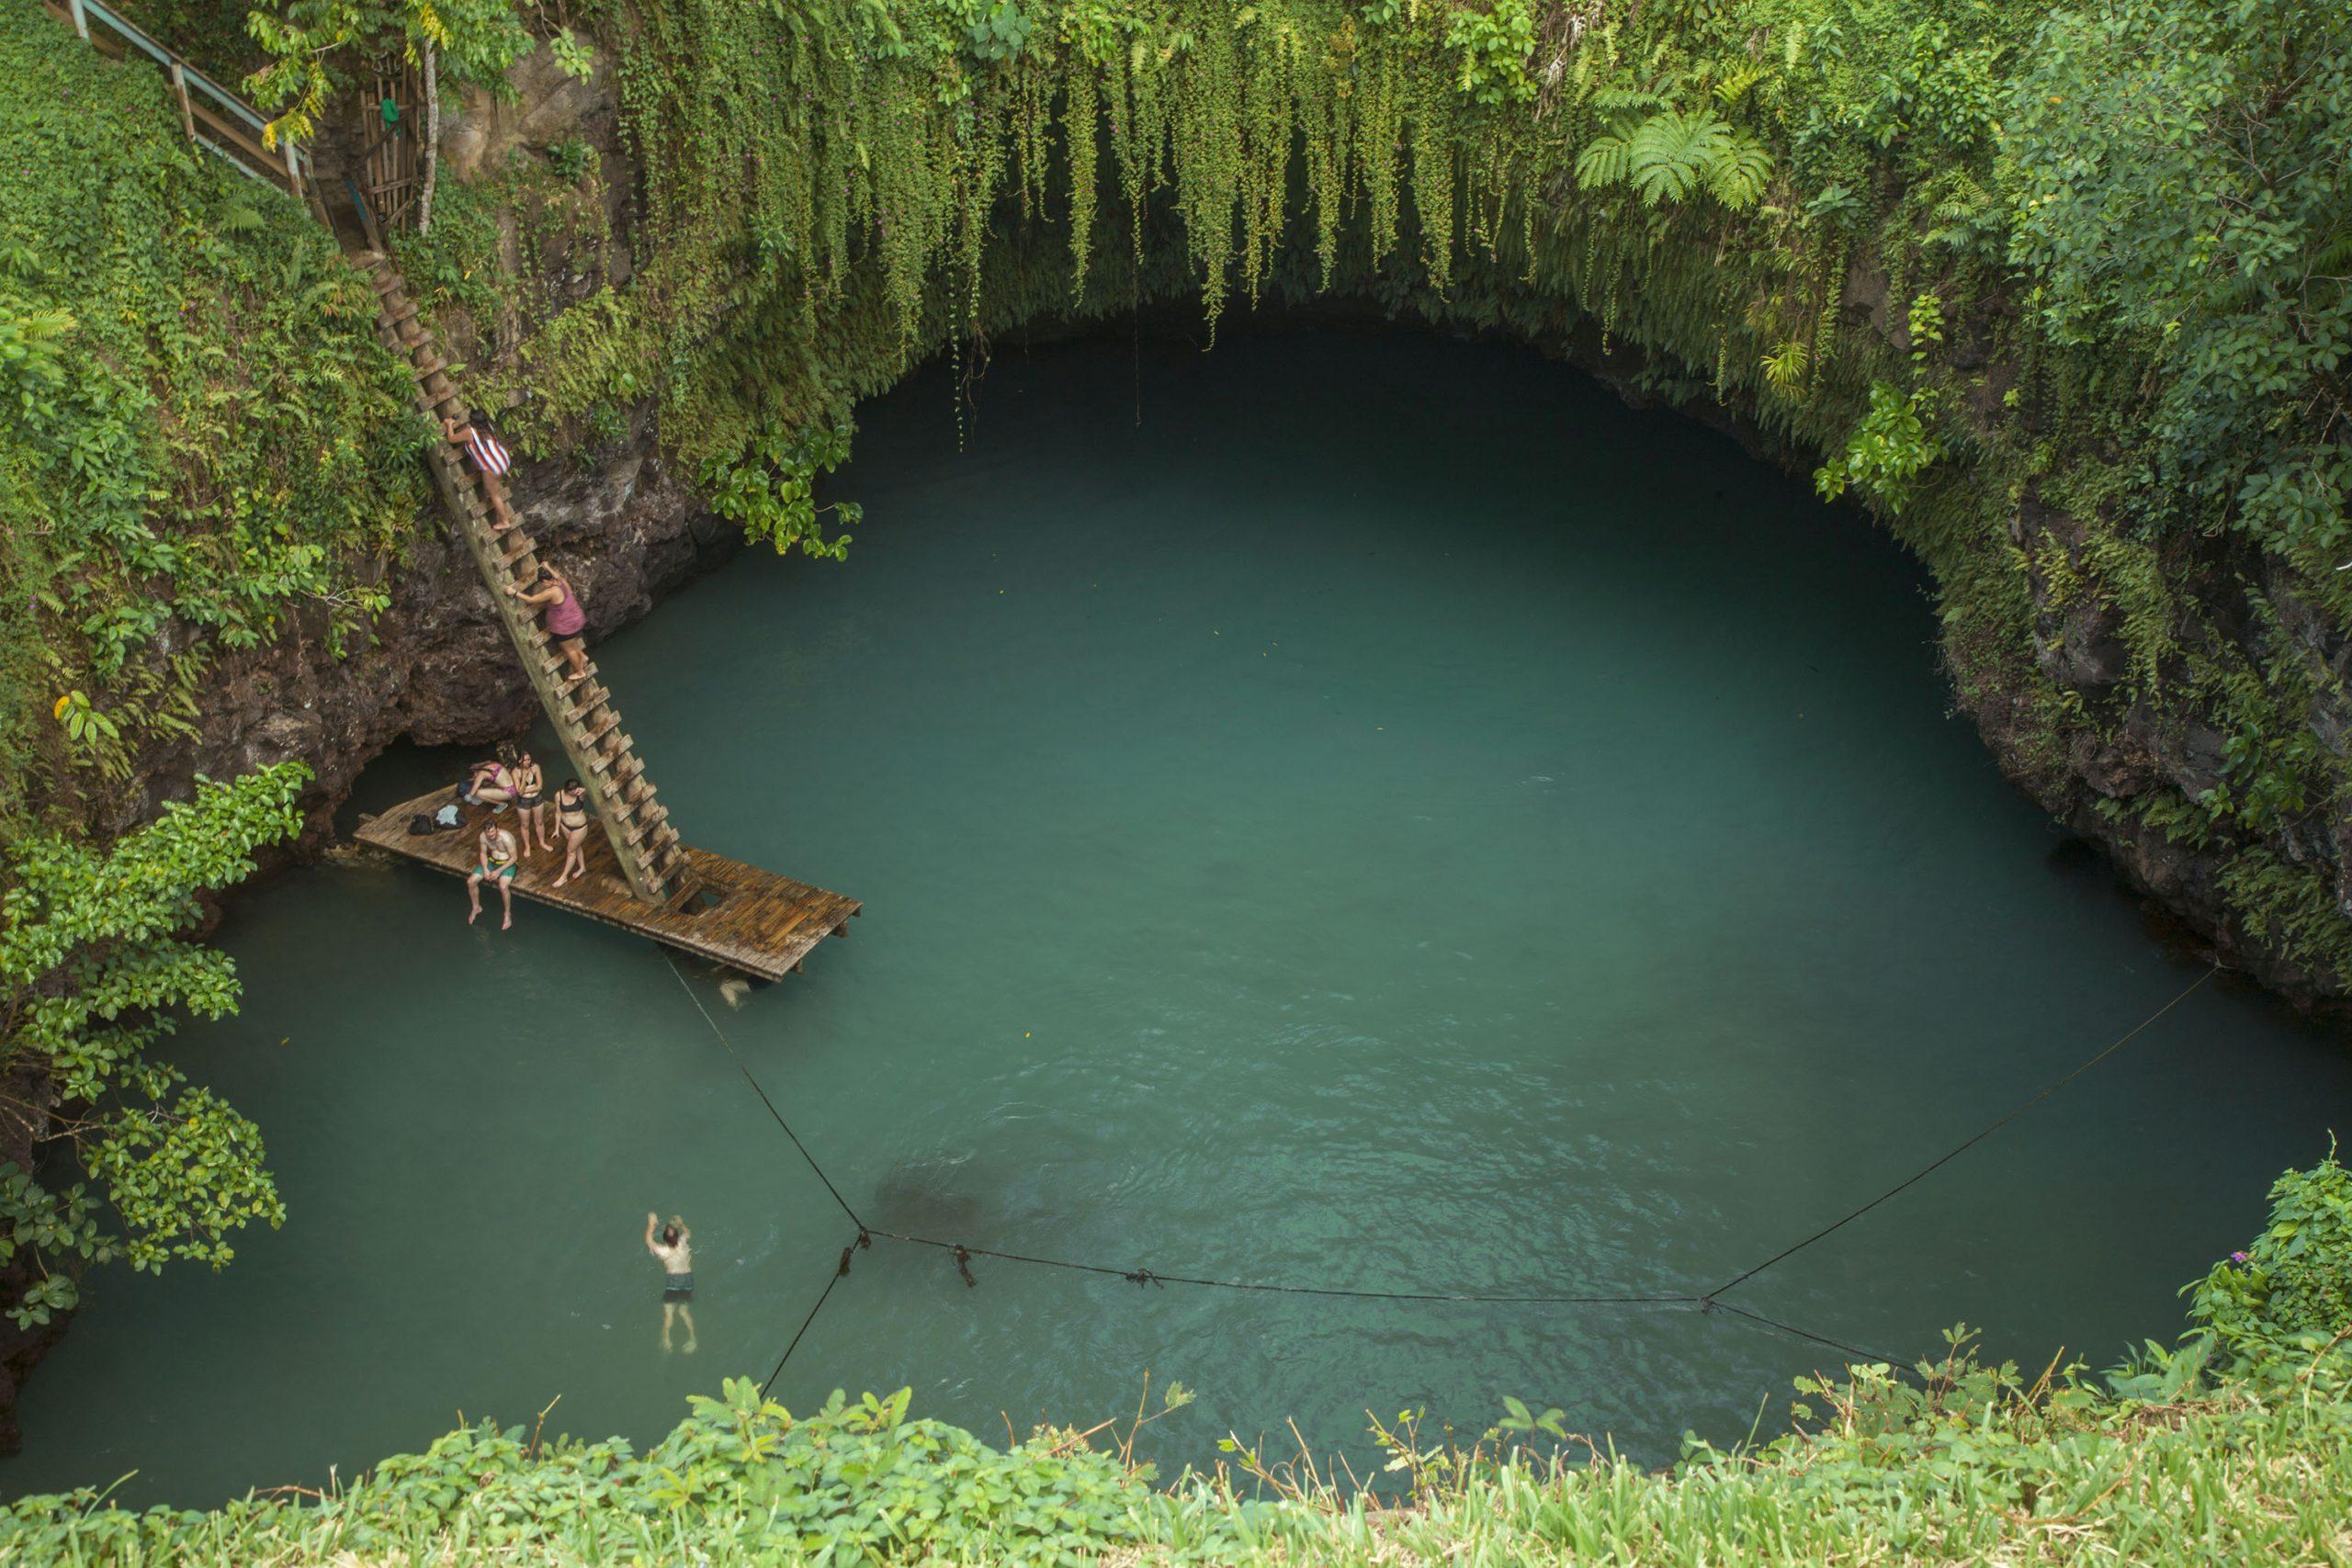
762	1093
1709	1303
823	1297
1962	1148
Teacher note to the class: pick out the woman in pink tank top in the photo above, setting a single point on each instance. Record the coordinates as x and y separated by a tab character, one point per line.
564	618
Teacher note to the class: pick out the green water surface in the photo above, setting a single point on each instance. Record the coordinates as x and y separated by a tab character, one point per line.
1361	810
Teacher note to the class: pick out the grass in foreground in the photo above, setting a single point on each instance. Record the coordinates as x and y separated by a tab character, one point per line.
1957	1463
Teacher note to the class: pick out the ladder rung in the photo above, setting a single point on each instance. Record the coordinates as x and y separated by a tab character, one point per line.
559	669
594	697
589	737
647	822
394	317
615	754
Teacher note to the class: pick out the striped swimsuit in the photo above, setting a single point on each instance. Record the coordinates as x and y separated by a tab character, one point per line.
484	449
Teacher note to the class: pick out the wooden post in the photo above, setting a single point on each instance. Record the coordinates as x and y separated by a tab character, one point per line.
81	19
432	141
293	170
179	89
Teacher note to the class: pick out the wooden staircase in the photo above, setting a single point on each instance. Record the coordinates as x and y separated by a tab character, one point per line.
602	756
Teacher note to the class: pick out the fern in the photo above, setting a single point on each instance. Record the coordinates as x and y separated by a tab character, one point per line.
1734	87
1673	155
1739	174
1604	163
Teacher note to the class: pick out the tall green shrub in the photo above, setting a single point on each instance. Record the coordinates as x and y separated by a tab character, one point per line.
94	966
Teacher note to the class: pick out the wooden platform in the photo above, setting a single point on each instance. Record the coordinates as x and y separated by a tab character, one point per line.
761	923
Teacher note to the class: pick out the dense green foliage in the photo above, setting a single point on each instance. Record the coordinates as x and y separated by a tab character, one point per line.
2292	1287
201	444
315	46
93	965
2181	186
1959	1459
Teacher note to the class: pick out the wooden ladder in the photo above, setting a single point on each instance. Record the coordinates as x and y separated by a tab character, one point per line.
602	756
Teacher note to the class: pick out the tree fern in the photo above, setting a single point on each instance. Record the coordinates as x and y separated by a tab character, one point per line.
1672	153
1603	163
1739	173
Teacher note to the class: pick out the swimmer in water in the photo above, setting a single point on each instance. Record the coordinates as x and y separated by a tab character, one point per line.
677	1259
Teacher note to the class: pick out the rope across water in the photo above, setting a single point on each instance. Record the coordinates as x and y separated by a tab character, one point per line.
1709	1301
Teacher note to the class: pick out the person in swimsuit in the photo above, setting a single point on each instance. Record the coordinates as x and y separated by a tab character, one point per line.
489	782
678	1275
572	816
494	862
491	460
530	803
565	618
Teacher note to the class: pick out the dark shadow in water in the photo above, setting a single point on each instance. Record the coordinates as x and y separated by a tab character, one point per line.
926	1195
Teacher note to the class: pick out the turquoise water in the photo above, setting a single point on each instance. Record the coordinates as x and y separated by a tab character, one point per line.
1353	810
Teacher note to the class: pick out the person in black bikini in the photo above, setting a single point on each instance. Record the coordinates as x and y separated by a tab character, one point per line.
530	803
572	816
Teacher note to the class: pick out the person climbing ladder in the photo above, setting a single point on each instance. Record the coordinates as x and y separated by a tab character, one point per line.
565	618
491	460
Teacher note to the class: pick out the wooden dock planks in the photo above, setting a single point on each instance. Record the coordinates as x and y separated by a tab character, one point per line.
761	924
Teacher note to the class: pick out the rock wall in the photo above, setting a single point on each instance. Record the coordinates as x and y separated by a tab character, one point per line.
440	671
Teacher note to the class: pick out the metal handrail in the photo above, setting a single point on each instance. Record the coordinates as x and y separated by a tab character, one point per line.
84	12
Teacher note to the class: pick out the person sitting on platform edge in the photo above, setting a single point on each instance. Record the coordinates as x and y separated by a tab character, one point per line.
491	460
566	620
677	1260
493	861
